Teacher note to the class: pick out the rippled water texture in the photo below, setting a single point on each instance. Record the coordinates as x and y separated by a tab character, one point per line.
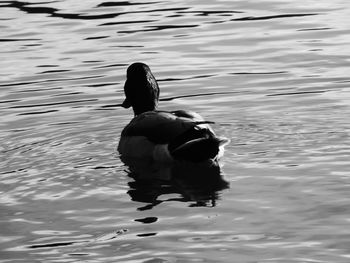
273	75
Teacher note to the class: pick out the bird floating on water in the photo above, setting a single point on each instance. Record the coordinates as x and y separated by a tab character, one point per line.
163	136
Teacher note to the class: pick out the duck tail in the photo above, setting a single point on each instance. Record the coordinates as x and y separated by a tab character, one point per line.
199	149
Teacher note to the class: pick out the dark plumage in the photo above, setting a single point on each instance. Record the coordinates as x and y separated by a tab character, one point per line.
161	135
141	89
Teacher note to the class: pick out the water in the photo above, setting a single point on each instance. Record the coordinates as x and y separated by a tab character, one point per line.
274	75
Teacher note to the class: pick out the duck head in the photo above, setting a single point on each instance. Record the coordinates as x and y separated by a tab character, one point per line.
141	89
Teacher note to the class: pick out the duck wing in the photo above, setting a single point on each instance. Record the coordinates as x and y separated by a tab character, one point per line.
161	127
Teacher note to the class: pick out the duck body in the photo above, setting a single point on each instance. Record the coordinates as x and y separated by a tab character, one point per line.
161	135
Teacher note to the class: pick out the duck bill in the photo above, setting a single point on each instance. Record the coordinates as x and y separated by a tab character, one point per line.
126	104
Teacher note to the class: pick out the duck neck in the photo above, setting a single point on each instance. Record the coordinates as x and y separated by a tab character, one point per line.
139	109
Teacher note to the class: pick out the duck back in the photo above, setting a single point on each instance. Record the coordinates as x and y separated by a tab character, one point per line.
180	135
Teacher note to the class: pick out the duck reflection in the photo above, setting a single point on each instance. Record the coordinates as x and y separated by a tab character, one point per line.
198	183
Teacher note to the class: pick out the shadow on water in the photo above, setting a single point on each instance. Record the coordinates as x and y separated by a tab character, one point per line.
198	183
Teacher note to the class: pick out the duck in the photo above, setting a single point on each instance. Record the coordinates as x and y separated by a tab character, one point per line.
163	136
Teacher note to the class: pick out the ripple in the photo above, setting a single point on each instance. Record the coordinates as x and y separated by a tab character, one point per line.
15	40
51	104
37	112
49	80
147	220
224	237
271	75
250	18
157	28
101	239
123	3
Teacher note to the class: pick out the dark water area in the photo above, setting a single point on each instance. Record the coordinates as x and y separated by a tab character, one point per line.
273	75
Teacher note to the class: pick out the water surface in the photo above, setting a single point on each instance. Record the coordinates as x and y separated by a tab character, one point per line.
274	77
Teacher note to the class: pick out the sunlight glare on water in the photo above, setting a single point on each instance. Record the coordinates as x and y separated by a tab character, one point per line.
273	75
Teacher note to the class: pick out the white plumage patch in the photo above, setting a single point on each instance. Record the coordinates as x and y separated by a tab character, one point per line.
162	154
